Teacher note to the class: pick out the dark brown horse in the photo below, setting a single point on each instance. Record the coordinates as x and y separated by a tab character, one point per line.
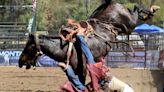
57	49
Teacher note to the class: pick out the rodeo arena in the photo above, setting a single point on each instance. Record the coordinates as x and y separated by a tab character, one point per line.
108	52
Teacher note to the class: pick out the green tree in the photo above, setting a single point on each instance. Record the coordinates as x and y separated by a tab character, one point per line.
51	14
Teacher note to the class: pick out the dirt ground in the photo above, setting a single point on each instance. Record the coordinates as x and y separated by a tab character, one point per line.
13	79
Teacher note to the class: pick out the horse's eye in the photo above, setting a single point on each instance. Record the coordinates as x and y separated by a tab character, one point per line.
32	46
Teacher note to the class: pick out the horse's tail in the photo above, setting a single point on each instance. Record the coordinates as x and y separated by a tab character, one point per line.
126	44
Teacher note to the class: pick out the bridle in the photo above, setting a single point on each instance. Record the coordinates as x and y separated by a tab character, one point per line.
38	50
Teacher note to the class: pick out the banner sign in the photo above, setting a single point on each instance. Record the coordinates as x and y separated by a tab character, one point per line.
9	57
10	53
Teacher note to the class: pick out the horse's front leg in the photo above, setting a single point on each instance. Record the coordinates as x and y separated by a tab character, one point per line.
80	68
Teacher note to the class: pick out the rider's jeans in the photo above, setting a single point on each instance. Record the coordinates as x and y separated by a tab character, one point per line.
74	79
70	73
85	49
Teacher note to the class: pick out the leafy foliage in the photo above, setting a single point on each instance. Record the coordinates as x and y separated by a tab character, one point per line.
51	14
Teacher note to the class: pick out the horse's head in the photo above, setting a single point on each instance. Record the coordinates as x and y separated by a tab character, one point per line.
29	54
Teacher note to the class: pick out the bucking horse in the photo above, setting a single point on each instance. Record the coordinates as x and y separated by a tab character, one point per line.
114	19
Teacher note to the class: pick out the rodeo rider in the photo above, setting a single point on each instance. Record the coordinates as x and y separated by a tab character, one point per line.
95	69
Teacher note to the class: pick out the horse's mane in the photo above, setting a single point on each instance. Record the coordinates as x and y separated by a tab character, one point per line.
50	36
100	9
52	45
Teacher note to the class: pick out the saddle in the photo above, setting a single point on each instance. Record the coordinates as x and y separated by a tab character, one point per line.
67	33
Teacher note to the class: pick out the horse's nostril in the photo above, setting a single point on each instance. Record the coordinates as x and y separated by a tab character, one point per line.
20	64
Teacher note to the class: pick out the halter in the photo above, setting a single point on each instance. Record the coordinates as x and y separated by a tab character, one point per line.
39	52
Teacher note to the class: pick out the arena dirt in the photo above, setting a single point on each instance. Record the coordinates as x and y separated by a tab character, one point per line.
13	79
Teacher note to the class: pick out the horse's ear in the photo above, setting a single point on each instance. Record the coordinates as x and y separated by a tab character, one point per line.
31	36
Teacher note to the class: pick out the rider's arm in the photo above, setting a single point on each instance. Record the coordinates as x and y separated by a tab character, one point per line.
70	34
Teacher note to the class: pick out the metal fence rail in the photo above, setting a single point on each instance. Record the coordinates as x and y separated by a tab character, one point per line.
146	47
12	40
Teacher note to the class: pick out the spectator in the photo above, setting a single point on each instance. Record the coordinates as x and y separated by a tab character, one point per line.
6	59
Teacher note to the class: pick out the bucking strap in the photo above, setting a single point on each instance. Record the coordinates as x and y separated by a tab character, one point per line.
70	47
